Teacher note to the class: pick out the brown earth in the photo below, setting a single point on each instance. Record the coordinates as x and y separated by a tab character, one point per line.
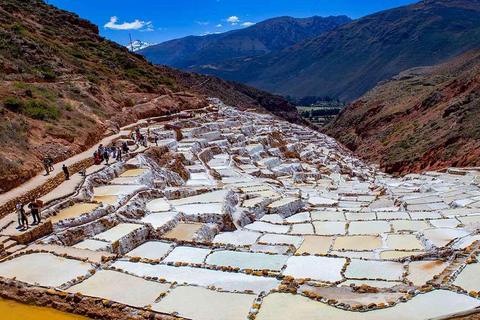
423	119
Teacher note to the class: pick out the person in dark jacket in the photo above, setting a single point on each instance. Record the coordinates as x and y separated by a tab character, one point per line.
66	172
35	207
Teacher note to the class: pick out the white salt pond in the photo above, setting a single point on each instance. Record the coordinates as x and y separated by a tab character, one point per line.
117	190
237	237
227	305
158	205
118	232
318	268
187	254
152	250
363	269
120	287
91	244
439	303
45	269
247	260
229	281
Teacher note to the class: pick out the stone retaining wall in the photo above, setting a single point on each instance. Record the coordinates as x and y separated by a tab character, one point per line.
44	188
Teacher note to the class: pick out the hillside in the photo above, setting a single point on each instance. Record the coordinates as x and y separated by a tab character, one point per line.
235	93
422	119
63	88
264	37
348	61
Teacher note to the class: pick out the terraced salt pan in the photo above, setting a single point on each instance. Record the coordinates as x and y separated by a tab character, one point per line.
134	172
187	254
118	232
74	211
158	220
355	254
387	270
368	227
111	200
210	197
278	249
327	215
322	202
270	238
398	215
403	242
408	225
318	268
183	231
45	269
422	271
358	216
329	227
251	203
247	260
237	237
267	227
229	281
302	228
120	287
117	190
445	223
200	208
299	217
227	305
152	250
357	243
90	244
158	205
273	218
315	245
442	236
468	278
390	254
439	303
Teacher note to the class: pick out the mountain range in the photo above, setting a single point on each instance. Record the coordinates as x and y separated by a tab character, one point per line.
348	60
264	37
422	119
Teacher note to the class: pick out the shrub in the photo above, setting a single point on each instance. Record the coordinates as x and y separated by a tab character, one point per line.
38	109
13	103
93	79
68	107
79	55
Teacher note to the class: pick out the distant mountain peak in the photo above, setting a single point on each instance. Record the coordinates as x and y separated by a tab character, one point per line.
139	45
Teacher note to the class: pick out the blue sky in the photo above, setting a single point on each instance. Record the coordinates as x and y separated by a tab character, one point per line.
161	20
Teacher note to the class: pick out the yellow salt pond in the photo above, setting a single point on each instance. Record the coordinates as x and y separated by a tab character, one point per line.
13	310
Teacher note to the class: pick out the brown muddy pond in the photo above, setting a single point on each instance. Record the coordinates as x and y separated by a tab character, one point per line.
13	310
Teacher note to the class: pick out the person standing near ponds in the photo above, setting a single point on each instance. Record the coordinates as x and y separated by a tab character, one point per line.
35	207
22	217
106	156
46	165
66	172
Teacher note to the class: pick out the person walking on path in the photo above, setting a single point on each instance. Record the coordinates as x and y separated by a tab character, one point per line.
46	165
156	140
66	172
35	207
106	156
125	147
23	217
119	154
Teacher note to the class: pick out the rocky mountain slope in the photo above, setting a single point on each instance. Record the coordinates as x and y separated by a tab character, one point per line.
348	61
264	37
422	119
63	87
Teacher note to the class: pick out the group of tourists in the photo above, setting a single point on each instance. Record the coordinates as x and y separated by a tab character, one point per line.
139	138
35	207
105	153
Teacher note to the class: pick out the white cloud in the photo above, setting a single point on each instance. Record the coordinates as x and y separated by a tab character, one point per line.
218	25
136	25
203	23
248	24
234	20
